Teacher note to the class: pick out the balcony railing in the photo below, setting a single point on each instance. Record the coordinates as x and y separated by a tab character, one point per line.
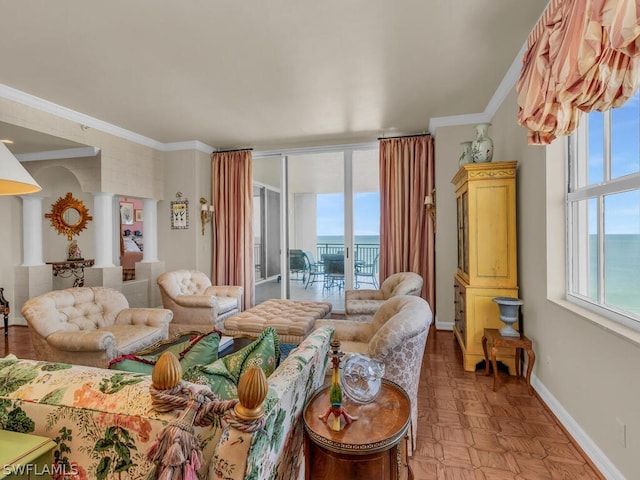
365	253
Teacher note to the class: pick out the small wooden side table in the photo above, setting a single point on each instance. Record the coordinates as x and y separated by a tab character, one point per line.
372	447
493	340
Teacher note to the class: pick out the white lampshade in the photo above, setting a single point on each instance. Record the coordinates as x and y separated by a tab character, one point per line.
14	179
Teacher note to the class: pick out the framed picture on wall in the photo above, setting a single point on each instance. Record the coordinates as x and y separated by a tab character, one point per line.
180	214
139	215
126	213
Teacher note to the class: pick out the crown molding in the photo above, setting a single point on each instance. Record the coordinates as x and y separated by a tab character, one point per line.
508	82
189	145
453	120
68	114
58	154
315	149
87	121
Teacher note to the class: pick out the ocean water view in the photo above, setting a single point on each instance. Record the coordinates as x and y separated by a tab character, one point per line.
339	239
621	271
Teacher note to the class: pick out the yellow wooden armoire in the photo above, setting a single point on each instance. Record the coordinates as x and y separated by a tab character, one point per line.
487	254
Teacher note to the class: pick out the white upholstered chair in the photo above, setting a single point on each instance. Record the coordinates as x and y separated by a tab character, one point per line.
362	304
397	337
195	303
91	325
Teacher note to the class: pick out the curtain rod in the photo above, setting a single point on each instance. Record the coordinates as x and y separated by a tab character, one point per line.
405	136
232	150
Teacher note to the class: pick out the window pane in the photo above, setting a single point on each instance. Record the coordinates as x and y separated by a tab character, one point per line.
594	252
622	251
625	138
596	148
585	248
604	213
330	222
366	218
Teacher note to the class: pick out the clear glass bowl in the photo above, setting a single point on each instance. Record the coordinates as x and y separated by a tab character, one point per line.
361	377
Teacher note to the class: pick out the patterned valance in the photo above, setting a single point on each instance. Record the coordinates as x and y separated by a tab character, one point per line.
582	55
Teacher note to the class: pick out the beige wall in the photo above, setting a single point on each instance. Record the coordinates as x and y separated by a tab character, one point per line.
447	153
187	172
585	371
266	171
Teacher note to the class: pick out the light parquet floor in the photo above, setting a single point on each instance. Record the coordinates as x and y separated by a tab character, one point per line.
466	431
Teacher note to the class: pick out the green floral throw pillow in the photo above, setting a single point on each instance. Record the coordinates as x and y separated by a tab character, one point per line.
198	350
223	375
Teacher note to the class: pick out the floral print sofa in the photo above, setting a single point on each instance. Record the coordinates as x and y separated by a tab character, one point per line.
103	422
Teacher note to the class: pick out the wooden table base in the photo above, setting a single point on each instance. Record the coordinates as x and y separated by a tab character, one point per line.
373	447
493	340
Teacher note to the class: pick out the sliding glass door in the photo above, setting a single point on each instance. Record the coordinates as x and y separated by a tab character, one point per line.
366	218
330	214
316	226
267	227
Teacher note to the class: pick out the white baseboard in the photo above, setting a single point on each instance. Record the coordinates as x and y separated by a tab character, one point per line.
597	456
444	325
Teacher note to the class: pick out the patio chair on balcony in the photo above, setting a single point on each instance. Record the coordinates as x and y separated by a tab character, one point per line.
367	273
315	271
333	271
297	264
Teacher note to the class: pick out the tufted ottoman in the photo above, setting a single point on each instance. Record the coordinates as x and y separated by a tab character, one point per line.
293	320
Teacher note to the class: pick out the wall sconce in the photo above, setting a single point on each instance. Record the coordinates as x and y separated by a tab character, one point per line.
206	212
430	204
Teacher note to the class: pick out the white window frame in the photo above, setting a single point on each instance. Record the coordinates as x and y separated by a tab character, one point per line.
577	221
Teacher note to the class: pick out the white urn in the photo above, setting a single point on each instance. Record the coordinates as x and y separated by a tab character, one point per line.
509	312
482	146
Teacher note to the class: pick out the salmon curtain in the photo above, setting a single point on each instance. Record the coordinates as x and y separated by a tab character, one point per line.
232	192
407	236
583	55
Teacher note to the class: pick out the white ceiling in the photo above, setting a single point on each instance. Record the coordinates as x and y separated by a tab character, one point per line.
264	74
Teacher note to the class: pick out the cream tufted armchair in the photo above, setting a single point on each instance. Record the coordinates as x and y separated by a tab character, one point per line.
362	304
91	325
195	303
397	337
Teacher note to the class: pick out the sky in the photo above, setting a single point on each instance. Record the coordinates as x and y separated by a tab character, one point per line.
330	213
622	211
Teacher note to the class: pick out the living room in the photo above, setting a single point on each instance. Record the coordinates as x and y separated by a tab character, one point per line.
586	363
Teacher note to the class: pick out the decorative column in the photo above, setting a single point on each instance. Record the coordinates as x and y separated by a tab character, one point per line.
32	277
103	221
31	230
150	218
104	273
150	267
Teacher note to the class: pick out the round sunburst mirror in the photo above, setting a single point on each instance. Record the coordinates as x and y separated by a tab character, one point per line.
69	216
